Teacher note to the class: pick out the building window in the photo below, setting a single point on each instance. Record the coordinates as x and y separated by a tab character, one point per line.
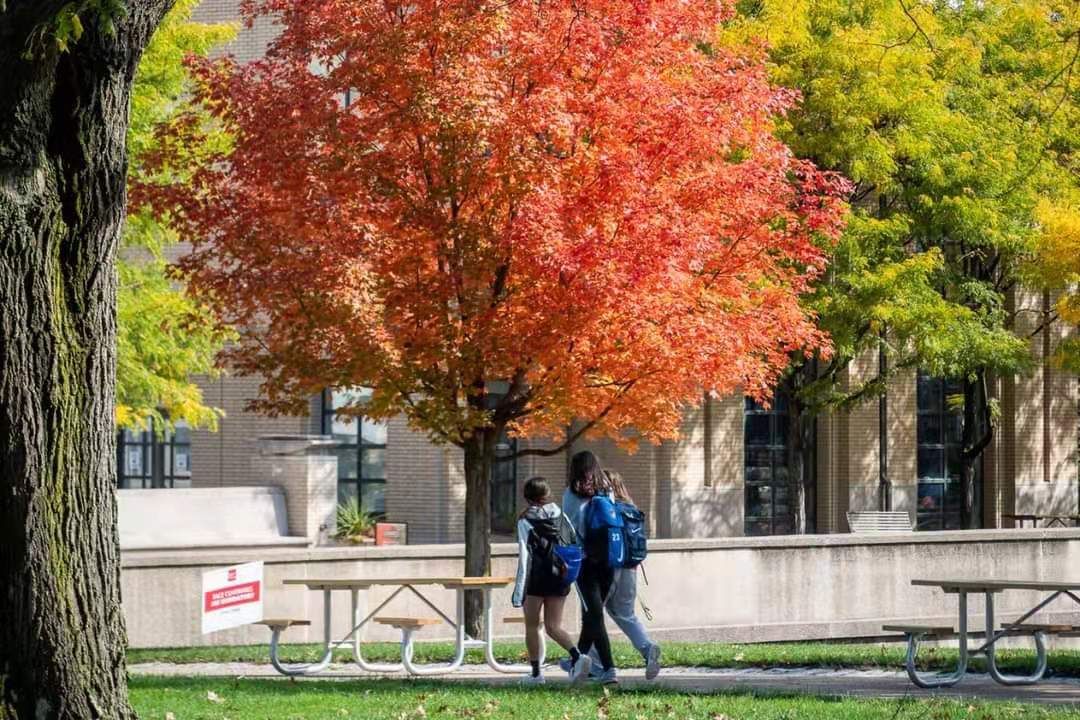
151	459
940	449
504	496
768	510
361	449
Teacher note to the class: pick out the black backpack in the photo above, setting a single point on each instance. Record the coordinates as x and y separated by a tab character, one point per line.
552	552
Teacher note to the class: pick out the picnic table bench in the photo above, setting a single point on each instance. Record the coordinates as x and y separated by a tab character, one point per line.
1019	627
1049	520
408	626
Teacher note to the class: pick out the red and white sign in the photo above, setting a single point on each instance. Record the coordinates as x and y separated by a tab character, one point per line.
232	597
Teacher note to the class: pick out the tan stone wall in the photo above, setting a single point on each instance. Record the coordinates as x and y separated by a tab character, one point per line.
707	472
728	590
1038	429
223	458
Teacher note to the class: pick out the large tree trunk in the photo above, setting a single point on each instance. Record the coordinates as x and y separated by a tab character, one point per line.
479	456
63	121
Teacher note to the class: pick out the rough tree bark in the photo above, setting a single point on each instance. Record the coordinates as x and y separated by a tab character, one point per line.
479	456
63	121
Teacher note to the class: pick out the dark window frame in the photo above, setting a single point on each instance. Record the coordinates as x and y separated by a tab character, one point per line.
945	487
774	522
158	453
359	447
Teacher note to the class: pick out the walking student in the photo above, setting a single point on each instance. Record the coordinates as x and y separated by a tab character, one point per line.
541	584
586	481
623	597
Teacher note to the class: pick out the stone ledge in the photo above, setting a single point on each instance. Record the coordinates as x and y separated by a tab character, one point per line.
175	558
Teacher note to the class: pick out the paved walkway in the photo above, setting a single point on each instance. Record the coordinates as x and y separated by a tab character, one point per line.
847	683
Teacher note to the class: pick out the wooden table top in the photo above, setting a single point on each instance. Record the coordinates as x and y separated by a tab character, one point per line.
364	583
983	585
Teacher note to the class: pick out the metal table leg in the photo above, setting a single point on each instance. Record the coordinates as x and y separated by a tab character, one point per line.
436	669
936	680
358	624
992	636
489	640
298	669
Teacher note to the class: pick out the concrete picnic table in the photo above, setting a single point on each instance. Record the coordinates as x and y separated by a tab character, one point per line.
990	588
408	626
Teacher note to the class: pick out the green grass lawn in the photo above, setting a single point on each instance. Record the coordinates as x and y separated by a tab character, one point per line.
715	655
216	699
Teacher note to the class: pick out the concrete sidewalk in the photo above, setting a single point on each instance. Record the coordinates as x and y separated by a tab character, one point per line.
816	681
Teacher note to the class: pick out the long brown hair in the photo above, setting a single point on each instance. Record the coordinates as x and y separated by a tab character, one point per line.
618	487
587	477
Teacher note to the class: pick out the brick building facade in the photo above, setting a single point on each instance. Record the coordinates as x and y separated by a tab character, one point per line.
721	478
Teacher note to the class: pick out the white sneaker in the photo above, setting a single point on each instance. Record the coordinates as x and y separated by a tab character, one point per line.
533	679
580	670
652	662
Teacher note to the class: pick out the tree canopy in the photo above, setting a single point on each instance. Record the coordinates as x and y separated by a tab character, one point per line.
954	120
164	336
584	201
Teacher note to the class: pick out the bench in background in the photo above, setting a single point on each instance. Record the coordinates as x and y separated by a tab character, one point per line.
879	521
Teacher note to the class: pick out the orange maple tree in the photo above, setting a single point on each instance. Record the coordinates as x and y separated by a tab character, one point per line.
579	202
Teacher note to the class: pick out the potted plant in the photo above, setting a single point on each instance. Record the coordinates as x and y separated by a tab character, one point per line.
353	524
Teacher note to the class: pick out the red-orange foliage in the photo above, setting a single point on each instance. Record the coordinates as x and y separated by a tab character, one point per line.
580	197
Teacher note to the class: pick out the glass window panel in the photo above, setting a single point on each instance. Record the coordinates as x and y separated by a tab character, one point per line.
373	499
954	428
372	463
758	527
929	429
752	406
344	428
758	501
372	432
930	496
346	491
951	521
758	457
929	394
182	461
931	463
784	524
779	458
954	467
349	397
346	463
928	522
181	482
758	430
133	460
780	403
782	424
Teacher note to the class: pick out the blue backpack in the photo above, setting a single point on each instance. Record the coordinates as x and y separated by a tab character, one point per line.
635	534
604	541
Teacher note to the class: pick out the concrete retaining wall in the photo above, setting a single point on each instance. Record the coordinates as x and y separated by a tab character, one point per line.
734	590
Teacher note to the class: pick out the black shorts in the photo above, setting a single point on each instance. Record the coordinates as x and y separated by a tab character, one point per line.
541	584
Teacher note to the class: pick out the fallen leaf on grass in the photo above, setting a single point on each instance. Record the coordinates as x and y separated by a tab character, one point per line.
214	697
170	716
